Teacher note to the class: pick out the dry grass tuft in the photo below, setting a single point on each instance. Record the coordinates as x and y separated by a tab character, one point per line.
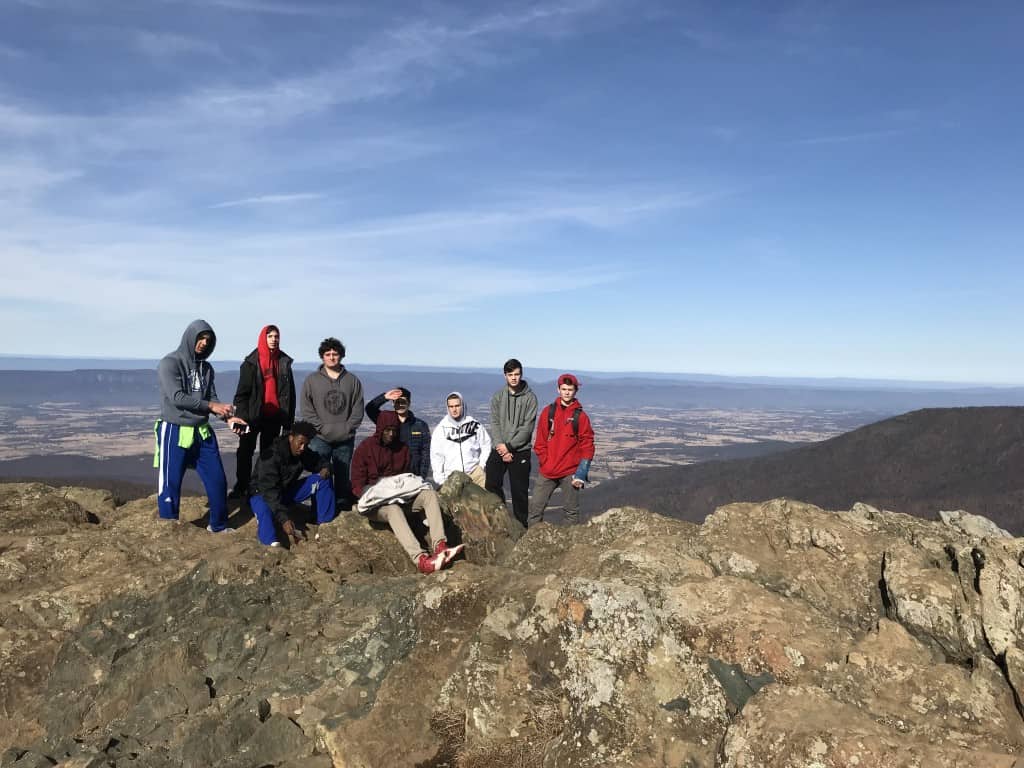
543	723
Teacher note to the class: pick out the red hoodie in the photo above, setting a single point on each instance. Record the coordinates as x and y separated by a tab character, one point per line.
372	460
560	454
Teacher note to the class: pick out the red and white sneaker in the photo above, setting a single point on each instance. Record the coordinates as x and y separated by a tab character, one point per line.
451	553
430	563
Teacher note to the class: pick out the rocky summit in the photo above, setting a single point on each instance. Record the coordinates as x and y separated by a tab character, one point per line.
775	634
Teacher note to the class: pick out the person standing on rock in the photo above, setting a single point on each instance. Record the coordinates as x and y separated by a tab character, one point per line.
412	431
459	443
388	493
184	437
332	401
565	447
513	413
264	401
278	485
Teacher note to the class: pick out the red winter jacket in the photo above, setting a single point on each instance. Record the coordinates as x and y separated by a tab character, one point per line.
372	461
561	453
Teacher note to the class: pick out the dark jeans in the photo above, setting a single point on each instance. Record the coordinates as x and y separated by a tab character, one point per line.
518	480
340	456
265	432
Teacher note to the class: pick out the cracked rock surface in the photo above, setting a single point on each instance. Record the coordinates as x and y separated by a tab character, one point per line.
775	634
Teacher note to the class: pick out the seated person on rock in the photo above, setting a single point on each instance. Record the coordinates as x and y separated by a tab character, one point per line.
412	431
388	493
279	484
459	443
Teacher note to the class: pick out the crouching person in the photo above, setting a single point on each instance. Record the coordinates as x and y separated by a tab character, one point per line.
388	493
279	484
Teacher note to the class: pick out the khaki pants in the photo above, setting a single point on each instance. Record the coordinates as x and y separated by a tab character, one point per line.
395	515
543	487
478	476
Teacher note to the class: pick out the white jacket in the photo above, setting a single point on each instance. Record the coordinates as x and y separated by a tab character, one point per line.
391	489
458	446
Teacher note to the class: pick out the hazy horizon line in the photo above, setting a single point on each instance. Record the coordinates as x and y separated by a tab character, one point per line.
683	375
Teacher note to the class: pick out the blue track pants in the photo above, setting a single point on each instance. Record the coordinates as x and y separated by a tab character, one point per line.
204	457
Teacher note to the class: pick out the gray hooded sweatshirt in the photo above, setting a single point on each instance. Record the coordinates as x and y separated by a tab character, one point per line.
513	416
186	379
334	406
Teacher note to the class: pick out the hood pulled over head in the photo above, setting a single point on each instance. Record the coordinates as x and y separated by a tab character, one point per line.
187	348
384	420
261	342
465	410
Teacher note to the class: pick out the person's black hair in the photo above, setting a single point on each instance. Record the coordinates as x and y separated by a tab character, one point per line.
331	343
270	328
511	364
406	393
303	428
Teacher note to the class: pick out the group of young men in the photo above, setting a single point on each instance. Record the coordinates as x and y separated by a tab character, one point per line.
389	476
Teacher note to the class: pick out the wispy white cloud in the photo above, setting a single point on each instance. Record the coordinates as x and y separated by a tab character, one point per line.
848	138
22	121
167	45
276	8
270	200
225	140
82	262
23	179
410	57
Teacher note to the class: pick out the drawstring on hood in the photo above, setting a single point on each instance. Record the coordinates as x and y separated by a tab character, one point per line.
462	429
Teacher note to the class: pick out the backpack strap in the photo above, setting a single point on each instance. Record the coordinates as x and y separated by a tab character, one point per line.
575	420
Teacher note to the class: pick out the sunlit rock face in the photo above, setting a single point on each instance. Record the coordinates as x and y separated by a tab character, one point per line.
775	634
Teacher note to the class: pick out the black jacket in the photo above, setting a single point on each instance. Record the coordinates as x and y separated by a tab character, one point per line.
413	432
278	470
249	395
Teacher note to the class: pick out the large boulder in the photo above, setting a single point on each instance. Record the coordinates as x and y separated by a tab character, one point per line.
776	634
483	522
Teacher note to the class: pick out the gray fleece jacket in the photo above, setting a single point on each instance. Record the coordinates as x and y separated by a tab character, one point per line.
513	416
186	380
334	406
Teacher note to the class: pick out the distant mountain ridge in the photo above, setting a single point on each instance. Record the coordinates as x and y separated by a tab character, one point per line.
139	387
538	373
919	463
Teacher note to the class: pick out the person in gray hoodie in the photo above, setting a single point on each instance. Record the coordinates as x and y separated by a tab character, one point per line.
184	437
513	416
332	401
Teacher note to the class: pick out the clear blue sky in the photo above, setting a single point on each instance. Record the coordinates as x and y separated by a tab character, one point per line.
805	189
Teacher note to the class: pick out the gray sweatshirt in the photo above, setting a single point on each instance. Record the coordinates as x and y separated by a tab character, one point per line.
333	406
186	380
513	416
